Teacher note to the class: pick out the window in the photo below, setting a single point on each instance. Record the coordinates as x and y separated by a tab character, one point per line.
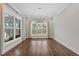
39	27
18	27
12	27
9	28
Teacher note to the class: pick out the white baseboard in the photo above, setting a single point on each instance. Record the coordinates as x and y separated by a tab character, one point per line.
69	47
9	45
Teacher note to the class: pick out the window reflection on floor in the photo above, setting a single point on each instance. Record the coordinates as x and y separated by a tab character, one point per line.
39	46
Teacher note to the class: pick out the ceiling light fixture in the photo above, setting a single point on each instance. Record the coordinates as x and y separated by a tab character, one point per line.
39	8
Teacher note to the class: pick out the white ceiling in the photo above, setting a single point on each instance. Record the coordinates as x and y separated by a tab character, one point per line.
39	9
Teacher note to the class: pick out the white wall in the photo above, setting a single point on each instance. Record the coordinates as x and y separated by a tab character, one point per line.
50	28
66	27
27	27
24	28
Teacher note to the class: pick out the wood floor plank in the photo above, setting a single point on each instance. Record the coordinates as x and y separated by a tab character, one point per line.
40	47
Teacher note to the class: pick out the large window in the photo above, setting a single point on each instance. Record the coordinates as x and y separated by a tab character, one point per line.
12	27
9	28
18	27
39	27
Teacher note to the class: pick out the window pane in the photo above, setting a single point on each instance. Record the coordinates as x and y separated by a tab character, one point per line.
9	34
9	28
39	27
18	33
18	28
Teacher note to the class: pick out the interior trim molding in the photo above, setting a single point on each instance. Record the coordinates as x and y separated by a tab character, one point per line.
13	8
67	46
61	10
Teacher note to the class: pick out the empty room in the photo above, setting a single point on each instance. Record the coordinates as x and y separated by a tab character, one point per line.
39	29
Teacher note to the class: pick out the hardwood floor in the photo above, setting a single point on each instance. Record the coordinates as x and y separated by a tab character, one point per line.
40	47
